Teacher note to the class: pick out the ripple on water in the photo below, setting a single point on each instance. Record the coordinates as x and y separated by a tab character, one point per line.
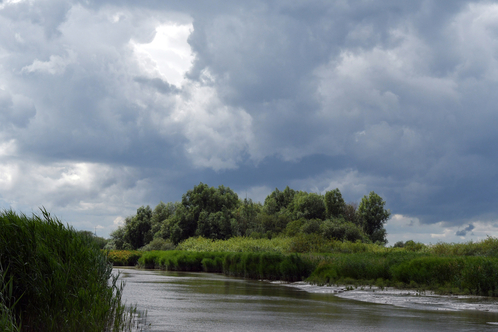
406	298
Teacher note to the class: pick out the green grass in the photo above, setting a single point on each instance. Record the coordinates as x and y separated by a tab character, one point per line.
54	279
236	244
302	243
254	265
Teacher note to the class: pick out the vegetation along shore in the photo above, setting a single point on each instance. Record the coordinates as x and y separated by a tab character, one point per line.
468	268
295	235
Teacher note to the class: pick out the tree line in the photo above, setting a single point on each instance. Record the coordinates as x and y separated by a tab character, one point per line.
218	213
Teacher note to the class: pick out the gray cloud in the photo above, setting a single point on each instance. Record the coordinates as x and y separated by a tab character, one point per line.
464	231
396	97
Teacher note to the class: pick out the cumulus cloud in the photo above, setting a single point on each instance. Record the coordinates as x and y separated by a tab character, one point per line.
106	97
55	65
168	55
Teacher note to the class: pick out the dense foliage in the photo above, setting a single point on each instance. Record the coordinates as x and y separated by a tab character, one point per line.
53	278
219	214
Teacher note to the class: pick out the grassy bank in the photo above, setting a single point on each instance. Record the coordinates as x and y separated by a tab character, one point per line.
54	279
462	268
442	274
262	265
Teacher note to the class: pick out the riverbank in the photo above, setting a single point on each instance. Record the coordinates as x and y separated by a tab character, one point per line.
402	269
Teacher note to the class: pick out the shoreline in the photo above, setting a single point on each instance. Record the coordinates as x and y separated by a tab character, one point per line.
402	298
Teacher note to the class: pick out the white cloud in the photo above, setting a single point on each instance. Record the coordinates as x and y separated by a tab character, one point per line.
404	228
475	31
8	148
217	134
168	55
119	221
7	3
54	66
95	96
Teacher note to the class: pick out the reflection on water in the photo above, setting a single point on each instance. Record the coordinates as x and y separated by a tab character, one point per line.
182	301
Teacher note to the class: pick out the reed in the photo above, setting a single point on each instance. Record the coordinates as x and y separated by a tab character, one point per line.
55	279
273	266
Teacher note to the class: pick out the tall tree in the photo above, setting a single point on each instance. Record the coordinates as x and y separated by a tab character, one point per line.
138	228
162	212
334	204
308	206
278	200
206	211
373	216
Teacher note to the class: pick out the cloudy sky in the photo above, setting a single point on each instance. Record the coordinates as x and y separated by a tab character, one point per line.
109	105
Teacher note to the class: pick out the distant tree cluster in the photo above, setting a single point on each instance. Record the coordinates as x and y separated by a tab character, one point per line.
218	213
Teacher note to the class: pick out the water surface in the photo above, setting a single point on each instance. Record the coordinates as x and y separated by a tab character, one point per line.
183	301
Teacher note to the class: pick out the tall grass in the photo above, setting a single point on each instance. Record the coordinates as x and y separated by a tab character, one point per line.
302	243
54	279
236	244
254	265
486	247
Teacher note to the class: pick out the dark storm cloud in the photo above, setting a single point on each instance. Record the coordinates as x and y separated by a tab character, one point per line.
464	231
396	97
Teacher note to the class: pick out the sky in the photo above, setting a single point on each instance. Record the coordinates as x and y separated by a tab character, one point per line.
106	106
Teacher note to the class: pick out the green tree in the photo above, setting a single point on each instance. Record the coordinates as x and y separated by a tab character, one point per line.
334	204
138	228
350	213
162	212
343	231
246	216
373	216
182	225
216	225
278	200
205	211
308	206
117	239
210	199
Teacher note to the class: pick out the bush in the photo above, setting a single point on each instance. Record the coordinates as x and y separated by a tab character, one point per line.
311	226
124	257
342	231
158	244
307	243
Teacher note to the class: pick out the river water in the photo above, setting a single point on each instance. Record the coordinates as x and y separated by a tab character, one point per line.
183	301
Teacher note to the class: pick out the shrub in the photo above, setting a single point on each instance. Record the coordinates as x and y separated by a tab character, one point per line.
343	231
311	226
158	244
124	257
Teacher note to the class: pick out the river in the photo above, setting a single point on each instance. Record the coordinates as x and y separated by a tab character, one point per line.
183	301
